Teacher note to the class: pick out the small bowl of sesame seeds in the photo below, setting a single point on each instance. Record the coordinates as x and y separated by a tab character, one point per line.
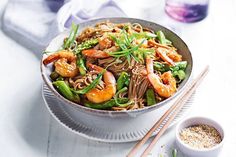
199	137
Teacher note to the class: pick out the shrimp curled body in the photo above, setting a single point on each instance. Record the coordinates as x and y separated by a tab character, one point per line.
101	95
165	85
65	63
95	53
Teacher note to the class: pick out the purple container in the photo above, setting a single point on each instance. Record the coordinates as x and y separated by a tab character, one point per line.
187	10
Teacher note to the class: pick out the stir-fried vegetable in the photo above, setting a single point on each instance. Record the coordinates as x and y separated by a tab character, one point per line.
116	98
150	96
122	80
178	70
128	48
64	89
86	45
107	105
91	86
54	75
162	39
81	65
70	40
146	35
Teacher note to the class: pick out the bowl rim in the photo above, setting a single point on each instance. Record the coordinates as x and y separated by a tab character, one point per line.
211	122
110	112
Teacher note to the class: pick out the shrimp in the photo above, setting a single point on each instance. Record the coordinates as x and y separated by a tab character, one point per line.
95	53
165	85
166	53
98	96
152	43
105	43
172	54
65	63
162	52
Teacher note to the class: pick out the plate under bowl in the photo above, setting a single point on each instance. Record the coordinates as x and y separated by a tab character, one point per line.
114	130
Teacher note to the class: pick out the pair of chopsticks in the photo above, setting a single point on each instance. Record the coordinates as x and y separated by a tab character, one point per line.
169	115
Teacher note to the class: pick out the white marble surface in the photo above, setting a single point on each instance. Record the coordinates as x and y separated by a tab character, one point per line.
27	129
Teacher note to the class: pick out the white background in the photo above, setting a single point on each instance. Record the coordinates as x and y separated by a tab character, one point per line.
27	129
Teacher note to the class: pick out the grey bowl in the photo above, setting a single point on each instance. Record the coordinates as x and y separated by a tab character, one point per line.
177	42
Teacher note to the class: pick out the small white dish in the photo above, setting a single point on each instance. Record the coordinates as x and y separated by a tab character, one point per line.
194	152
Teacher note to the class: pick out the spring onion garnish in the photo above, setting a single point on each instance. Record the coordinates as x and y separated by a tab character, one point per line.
122	104
70	40
91	86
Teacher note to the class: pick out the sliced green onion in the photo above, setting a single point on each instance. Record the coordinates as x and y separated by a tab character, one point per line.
70	40
91	86
122	104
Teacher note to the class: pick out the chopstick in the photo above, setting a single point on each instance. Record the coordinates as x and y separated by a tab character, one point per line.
171	113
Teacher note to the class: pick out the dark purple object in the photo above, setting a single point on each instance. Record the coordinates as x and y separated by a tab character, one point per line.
187	12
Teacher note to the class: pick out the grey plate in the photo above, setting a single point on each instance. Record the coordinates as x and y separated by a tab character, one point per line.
177	42
114	130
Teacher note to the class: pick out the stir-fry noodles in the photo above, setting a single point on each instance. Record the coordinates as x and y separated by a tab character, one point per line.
116	67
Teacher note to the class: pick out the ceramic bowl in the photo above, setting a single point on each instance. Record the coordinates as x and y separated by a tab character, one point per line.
56	43
193	152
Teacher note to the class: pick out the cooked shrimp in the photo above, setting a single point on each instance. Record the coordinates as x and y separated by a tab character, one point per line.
165	85
162	52
152	43
172	54
65	63
95	53
96	95
105	43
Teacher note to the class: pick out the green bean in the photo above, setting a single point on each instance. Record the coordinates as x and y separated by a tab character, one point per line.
64	89
162	39
122	80
91	86
70	40
165	67
86	45
179	66
150	96
147	35
180	74
54	75
107	105
81	65
161	67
